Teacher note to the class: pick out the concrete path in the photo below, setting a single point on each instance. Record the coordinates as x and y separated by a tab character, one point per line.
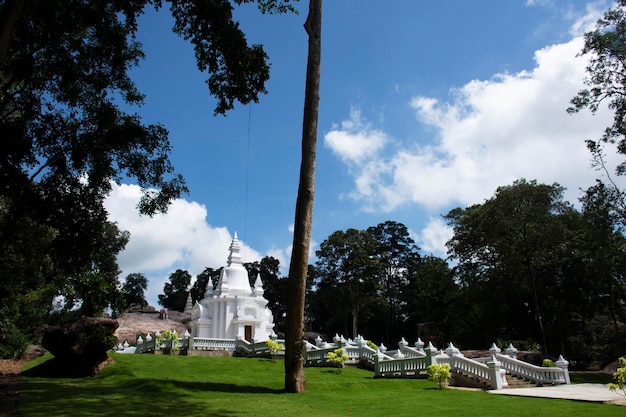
579	392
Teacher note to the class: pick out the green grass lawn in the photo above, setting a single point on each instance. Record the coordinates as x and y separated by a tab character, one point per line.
148	385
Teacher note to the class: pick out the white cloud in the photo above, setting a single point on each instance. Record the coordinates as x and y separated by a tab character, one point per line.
492	133
433	237
355	141
158	245
587	22
530	3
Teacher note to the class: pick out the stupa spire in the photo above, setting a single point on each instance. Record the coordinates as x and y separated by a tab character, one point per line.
235	247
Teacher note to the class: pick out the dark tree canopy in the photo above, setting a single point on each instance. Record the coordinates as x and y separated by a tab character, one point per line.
397	257
528	269
133	289
199	287
606	82
533	268
67	136
175	292
275	287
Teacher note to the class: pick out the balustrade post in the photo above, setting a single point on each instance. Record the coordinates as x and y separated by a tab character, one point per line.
494	373
376	364
564	365
402	344
431	351
494	350
429	357
453	351
511	351
419	345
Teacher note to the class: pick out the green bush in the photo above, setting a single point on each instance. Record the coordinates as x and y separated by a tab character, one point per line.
620	378
337	357
439	374
548	363
274	347
12	341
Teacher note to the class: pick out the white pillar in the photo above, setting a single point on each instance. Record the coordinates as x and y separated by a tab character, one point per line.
494	373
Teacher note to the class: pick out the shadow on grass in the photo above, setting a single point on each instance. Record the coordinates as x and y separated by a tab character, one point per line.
141	397
118	392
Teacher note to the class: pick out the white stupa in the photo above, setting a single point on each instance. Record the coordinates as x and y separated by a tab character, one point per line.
234	310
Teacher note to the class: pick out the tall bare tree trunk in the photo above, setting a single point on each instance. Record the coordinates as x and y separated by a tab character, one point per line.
296	286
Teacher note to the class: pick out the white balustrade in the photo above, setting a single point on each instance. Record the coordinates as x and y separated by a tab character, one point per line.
200	343
538	374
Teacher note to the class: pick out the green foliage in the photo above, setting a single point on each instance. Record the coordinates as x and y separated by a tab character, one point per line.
275	288
371	344
439	374
337	358
606	84
102	338
620	378
199	287
175	292
232	386
13	342
532	346
67	137
172	337
133	289
541	270
274	347
548	363
361	275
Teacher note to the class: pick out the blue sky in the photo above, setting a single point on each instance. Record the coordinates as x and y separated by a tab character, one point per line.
425	106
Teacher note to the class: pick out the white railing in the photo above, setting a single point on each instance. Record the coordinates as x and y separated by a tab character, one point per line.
357	354
258	348
408	361
368	356
354	353
202	343
411	352
461	364
538	374
400	367
489	372
317	357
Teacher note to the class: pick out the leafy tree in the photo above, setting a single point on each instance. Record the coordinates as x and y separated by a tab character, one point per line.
396	255
605	245
532	267
296	285
199	287
600	290
175	292
97	288
133	289
275	288
508	250
434	308
64	78
345	266
607	83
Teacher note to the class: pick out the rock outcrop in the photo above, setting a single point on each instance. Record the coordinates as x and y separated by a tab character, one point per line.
79	348
132	325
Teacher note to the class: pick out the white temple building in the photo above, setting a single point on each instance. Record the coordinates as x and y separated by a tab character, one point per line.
234	310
